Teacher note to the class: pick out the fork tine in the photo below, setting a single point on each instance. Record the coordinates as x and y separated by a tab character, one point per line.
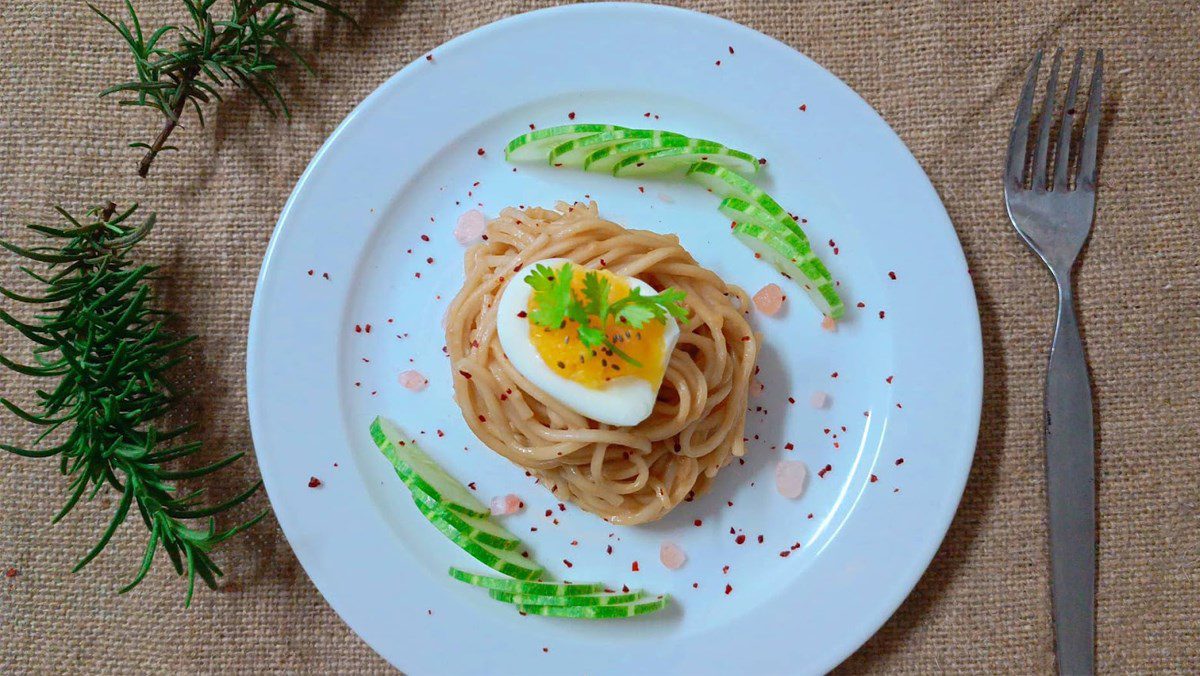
1091	128
1015	171
1043	138
1062	154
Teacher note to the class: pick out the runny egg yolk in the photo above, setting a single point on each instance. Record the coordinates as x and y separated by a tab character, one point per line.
562	351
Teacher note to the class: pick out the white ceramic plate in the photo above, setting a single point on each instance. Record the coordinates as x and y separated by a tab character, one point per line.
406	163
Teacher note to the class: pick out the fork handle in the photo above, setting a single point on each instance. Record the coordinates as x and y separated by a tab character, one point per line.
1070	487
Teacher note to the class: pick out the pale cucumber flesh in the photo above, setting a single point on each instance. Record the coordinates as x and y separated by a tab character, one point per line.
483	530
420	472
523	587
641	607
675	160
725	183
576	600
536	144
573	153
509	562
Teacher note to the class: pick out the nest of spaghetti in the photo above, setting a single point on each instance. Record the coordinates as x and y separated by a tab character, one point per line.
626	475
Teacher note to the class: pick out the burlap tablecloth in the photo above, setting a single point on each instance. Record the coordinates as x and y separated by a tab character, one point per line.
945	75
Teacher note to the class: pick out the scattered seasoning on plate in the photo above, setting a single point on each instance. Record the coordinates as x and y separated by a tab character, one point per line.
899	461
826	469
314	482
634	567
728	589
803	107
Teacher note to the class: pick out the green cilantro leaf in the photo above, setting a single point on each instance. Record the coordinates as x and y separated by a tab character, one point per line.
551	293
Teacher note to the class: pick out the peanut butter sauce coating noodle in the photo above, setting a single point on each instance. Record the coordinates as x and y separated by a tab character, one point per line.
627	475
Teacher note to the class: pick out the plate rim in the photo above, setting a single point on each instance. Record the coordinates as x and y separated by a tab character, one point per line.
928	548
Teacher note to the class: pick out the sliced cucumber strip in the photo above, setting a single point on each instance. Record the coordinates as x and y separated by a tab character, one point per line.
789	255
420	472
576	600
573	153
604	159
675	160
506	561
527	588
537	144
599	612
482	530
725	183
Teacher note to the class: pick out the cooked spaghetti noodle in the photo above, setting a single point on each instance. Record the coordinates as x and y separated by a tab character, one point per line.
628	475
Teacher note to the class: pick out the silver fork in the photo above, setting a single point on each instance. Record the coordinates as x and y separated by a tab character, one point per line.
1054	218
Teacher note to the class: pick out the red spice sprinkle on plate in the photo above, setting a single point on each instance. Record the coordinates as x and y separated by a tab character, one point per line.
881	314
730	49
480	152
826	469
741	539
314	482
634	567
760	539
697	523
861	304
789	446
803	107
891	275
889	379
609	550
718	62
568	563
571	116
325	275
899	461
728	589
874	478
310	273
791	400
785	553
810	515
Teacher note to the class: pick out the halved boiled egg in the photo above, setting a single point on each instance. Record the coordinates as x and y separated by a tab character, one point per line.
617	387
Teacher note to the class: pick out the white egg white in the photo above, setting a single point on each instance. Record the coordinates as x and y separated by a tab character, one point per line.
624	401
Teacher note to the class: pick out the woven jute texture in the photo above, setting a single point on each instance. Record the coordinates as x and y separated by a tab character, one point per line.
945	75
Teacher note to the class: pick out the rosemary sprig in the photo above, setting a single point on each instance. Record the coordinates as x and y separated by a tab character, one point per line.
105	348
242	51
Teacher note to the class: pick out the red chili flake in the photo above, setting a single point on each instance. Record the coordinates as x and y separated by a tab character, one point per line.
795	546
729	502
874	478
357	328
522	314
325	275
480	152
803	107
695	585
646	115
810	515
730	49
825	470
641	189
609	550
472	486
314	482
791	400
429	260
892	275
725	570
481	418
836	445
545	649
366	361
760	539
762	160
310	273
562	507
833	375
634	567
899	461
424	238
533	529
889	379
881	314
429	57
899	405
895	490
788	446
571	116
728	589
741	539
843	428
718	62
568	563
625	588
549	512
785	553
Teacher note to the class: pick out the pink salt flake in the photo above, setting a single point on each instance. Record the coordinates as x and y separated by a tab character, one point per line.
769	299
756	388
413	380
789	478
471	226
671	555
819	400
506	504
829	323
